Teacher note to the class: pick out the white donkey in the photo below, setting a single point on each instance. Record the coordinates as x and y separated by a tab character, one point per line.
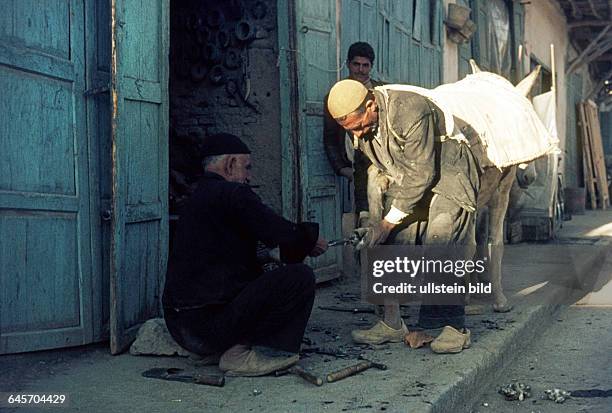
507	153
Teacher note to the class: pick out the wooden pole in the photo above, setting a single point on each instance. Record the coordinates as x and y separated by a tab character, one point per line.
552	68
520	63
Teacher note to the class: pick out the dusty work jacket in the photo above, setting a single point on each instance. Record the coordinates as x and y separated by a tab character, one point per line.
409	147
214	248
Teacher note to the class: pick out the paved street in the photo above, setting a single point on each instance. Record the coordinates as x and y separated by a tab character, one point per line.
571	354
574	353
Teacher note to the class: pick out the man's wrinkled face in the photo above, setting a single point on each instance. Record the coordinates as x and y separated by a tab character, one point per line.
361	123
239	168
359	68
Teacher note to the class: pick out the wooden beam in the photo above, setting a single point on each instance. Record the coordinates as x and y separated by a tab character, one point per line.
577	62
576	13
594	10
587	23
602	48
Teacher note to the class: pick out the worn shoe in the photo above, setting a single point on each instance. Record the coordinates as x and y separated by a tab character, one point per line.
241	360
451	340
380	333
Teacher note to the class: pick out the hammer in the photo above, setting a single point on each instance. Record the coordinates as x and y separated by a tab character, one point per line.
297	370
354	369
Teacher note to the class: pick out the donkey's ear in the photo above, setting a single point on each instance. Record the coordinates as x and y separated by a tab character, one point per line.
474	66
525	85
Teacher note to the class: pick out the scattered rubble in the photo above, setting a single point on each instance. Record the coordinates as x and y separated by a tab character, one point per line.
515	391
557	395
154	339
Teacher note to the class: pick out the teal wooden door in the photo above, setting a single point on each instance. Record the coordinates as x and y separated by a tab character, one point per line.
45	253
319	186
139	96
573	142
465	49
405	35
483	46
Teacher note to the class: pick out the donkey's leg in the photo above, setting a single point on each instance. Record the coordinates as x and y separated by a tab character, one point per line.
377	185
498	205
482	237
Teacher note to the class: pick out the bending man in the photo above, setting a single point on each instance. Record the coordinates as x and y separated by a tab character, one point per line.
402	133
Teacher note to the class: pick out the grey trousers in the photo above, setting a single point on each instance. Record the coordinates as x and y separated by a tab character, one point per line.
438	221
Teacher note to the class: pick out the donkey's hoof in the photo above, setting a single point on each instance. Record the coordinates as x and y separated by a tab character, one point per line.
502	308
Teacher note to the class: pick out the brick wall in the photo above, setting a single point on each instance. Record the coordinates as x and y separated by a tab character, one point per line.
243	99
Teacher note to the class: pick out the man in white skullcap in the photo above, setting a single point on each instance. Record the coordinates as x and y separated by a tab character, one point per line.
402	133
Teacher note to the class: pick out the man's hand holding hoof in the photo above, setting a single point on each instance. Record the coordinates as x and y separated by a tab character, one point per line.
379	233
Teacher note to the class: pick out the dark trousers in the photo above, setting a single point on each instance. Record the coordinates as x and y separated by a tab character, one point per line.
446	224
271	311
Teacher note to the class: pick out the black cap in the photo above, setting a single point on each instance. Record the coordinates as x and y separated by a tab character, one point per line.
223	144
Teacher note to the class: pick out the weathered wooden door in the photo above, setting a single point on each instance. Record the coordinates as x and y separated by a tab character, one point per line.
316	63
139	97
45	254
405	35
482	46
573	140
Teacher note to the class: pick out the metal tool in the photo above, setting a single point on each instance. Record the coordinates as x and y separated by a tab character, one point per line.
354	240
174	374
354	369
299	371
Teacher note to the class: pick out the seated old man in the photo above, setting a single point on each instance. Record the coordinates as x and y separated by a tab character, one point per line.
217	299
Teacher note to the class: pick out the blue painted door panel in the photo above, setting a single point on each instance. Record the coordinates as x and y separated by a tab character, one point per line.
139	96
387	25
405	35
45	251
321	197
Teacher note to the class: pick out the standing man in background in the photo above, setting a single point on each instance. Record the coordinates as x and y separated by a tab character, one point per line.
346	161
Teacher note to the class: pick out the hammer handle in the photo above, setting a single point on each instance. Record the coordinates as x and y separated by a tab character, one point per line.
311	378
210	380
348	371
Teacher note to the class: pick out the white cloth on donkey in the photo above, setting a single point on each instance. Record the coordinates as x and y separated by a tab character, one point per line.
509	128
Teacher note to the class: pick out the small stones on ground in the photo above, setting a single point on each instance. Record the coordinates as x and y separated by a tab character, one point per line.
256	392
557	395
515	391
485	404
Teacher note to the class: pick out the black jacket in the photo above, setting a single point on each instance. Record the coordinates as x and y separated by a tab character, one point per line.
214	249
408	148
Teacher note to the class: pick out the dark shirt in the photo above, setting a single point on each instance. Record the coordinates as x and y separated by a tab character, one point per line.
408	148
214	249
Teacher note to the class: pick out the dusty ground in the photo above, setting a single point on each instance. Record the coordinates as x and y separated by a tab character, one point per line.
416	381
573	354
96	381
